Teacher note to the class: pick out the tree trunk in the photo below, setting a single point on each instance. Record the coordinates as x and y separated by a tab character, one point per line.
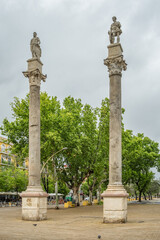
79	195
99	193
44	182
47	183
90	197
135	194
75	195
144	196
140	193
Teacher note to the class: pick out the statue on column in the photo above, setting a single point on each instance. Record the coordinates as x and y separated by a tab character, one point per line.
35	46
115	31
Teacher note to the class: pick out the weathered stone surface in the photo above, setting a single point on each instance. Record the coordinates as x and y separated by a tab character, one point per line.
34	199
115	204
115	50
115	31
34	63
35	46
34	208
115	197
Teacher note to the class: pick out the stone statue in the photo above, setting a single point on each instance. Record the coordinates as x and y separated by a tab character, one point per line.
35	46
115	31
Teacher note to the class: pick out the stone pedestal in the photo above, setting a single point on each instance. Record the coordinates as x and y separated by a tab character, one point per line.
115	204
34	205
34	199
115	197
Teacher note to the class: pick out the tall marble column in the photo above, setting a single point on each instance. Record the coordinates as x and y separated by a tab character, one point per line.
115	197
34	199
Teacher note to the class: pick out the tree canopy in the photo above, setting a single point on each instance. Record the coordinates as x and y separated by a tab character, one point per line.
77	136
13	179
139	155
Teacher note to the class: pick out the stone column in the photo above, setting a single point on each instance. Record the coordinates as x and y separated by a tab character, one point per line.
34	199
115	197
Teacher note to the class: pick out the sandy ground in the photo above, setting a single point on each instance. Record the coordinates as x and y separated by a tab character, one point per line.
82	223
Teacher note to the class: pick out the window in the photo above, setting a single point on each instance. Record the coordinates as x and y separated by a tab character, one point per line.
3	148
3	159
9	160
9	149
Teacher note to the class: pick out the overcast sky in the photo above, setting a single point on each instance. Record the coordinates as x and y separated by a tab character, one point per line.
74	39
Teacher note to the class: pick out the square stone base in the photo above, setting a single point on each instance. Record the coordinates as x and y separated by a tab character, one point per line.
114	209
34	208
115	204
114	50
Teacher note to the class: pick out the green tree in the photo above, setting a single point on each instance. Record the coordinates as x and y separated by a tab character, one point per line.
87	144
20	179
98	179
139	154
154	188
102	163
13	180
79	135
6	180
85	188
73	126
84	133
17	130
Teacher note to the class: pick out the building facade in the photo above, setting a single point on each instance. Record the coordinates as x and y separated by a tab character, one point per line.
7	159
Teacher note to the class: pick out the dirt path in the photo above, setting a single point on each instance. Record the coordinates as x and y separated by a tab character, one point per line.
82	223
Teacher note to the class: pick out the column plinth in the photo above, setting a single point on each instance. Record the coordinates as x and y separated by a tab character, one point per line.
115	196
34	199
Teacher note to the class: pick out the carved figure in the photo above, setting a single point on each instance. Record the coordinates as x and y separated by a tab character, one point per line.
35	46
115	31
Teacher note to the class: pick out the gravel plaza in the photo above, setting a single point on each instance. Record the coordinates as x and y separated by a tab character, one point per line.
82	223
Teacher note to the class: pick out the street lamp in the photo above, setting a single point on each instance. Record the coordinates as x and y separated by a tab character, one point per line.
55	173
44	164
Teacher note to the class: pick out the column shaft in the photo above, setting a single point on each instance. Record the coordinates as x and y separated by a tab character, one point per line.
115	169
34	136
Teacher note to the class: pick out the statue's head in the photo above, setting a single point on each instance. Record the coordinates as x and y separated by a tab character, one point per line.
114	19
34	34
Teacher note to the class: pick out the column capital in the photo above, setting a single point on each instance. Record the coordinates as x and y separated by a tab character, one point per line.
35	77
115	65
